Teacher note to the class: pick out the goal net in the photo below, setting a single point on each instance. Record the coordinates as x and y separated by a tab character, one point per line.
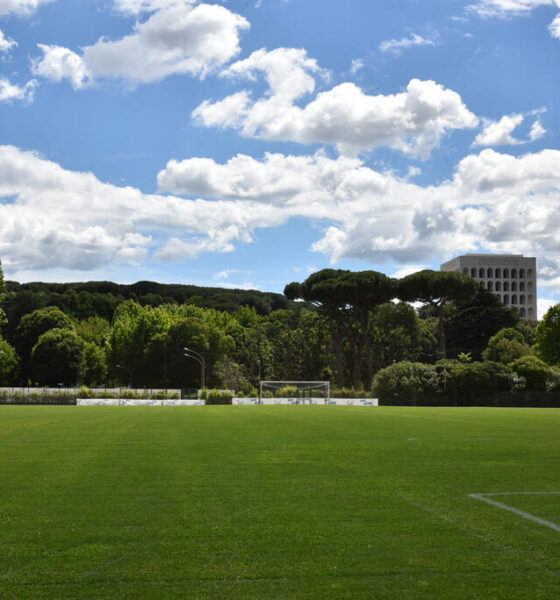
298	392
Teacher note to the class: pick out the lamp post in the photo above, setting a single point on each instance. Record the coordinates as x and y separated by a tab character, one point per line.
200	359
129	374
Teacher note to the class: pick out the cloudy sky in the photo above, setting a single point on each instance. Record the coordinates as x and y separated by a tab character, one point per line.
246	143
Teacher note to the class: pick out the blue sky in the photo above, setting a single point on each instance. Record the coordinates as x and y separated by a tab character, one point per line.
246	143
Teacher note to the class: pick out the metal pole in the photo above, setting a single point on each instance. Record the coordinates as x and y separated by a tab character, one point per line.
198	357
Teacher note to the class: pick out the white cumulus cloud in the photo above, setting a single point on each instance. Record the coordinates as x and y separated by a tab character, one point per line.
59	63
177	37
10	91
52	217
20	7
375	216
507	8
6	44
504	9
554	27
537	131
500	133
413	121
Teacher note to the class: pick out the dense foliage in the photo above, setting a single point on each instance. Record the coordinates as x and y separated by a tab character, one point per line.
337	325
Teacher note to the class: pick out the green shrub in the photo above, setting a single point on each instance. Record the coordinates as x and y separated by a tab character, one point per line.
219	397
466	383
553	381
84	392
349	393
506	346
406	383
534	371
288	391
163	395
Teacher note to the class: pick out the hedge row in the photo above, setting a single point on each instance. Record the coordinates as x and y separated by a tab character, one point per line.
456	383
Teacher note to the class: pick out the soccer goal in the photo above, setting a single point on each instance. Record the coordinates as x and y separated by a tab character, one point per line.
298	392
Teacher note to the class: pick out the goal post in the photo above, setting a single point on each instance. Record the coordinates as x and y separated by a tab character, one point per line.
296	389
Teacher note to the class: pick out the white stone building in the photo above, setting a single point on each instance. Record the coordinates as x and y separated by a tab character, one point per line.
512	277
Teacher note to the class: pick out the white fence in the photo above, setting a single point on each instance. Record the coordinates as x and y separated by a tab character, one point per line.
319	401
135	402
24	391
235	401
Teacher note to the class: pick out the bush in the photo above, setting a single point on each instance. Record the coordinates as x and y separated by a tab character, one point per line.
24	396
553	381
349	393
84	392
9	363
132	395
219	397
466	383
534	371
288	391
506	346
162	395
406	383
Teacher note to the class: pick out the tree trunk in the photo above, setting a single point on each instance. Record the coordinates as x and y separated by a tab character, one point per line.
337	343
357	354
441	333
364	323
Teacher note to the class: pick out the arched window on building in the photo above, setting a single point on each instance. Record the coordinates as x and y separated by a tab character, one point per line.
489	273
530	299
522	299
514	286
506	286
473	272
481	273
489	286
521	273
522	312
514	298
529	273
529	286
506	299
498	286
514	273
522	286
497	273
506	273
530	313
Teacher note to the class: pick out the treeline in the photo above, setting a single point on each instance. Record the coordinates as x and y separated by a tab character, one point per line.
336	325
101	298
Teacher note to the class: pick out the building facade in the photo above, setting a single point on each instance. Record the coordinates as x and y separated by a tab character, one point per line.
512	277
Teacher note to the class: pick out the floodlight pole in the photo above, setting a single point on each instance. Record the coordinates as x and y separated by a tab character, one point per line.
200	359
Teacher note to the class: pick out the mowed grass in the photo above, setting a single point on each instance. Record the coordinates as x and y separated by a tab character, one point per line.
277	502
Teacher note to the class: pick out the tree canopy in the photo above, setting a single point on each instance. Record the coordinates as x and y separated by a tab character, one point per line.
547	336
437	288
347	298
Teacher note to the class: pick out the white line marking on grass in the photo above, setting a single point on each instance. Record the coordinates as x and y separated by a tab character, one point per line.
521	513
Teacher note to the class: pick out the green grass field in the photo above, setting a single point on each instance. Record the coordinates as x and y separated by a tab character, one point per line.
277	502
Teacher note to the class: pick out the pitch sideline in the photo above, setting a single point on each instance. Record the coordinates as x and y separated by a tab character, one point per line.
521	513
